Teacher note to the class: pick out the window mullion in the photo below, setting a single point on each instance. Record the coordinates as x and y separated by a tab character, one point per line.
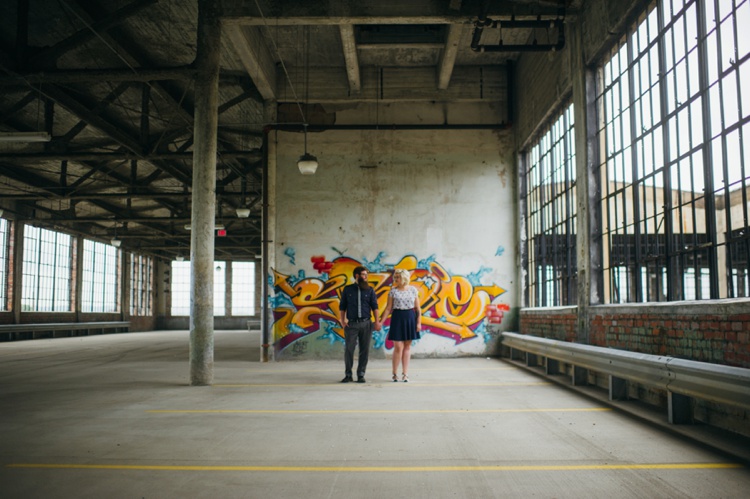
709	199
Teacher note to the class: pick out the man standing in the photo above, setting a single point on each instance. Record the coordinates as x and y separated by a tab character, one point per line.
357	302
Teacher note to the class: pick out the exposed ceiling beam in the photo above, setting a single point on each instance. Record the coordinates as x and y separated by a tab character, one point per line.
92	118
251	49
83	195
51	54
118	43
349	45
448	57
332	13
414	84
250	155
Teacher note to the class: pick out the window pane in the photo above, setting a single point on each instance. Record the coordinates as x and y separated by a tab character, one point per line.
4	263
243	288
655	221
551	214
47	276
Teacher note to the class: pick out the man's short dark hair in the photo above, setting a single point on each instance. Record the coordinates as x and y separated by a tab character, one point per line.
358	270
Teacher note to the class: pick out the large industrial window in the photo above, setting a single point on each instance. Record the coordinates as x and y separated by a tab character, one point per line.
181	288
47	277
674	136
4	264
243	288
549	198
141	284
100	285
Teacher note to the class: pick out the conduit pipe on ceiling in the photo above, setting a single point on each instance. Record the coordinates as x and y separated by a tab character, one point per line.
299	127
483	22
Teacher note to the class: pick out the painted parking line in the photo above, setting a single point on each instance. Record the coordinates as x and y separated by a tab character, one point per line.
388	469
371	411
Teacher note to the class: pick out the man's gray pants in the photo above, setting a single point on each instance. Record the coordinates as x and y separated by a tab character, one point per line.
357	332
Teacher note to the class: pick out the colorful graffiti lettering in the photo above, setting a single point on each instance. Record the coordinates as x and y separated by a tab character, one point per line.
453	306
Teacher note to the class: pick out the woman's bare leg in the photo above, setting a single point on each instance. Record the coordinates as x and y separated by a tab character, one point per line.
398	347
406	356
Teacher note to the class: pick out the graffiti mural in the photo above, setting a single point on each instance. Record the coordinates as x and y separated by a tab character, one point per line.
453	306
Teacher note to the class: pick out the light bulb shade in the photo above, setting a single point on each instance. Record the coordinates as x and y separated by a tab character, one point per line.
243	212
307	164
115	242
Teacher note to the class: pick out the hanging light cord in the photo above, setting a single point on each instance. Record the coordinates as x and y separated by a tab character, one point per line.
283	65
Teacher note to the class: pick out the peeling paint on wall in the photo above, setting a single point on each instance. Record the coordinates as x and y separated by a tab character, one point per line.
454	307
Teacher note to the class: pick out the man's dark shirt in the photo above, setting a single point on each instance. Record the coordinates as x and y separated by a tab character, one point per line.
349	302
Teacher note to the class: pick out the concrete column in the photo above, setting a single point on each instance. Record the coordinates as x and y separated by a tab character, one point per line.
17	286
78	277
204	194
588	246
125	284
269	231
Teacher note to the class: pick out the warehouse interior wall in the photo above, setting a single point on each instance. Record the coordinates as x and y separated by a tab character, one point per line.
440	203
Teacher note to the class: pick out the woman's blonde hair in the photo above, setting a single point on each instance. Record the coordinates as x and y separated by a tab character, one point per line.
403	274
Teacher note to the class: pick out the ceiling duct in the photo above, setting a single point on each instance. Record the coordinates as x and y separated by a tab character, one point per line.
555	25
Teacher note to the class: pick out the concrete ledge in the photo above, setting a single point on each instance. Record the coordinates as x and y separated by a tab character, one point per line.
15	332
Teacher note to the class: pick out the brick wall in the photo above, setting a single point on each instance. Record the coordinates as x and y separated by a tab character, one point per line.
697	332
716	331
557	323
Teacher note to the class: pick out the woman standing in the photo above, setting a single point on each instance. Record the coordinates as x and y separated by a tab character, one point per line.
406	322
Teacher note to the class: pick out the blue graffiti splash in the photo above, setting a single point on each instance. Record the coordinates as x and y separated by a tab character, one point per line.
294	328
500	251
476	278
290	253
280	301
301	275
425	264
378	337
481	331
329	334
376	265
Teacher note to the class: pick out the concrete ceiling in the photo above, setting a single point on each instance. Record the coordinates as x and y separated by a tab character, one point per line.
112	81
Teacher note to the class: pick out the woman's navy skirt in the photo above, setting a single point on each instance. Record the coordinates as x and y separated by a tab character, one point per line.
403	325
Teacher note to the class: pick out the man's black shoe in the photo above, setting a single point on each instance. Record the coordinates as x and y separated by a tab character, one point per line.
347	379
361	379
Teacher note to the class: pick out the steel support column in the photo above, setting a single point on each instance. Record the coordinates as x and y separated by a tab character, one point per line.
204	195
588	242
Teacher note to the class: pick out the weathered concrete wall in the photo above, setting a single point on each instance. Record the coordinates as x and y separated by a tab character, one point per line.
543	81
438	202
543	84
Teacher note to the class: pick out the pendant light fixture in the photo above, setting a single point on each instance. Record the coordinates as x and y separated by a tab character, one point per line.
115	242
307	163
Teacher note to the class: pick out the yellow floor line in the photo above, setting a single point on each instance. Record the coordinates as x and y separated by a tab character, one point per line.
430	385
389	469
270	370
366	411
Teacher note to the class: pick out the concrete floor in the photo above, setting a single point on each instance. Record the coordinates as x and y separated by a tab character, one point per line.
113	417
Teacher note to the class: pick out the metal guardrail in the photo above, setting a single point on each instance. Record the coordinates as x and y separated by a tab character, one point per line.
712	382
